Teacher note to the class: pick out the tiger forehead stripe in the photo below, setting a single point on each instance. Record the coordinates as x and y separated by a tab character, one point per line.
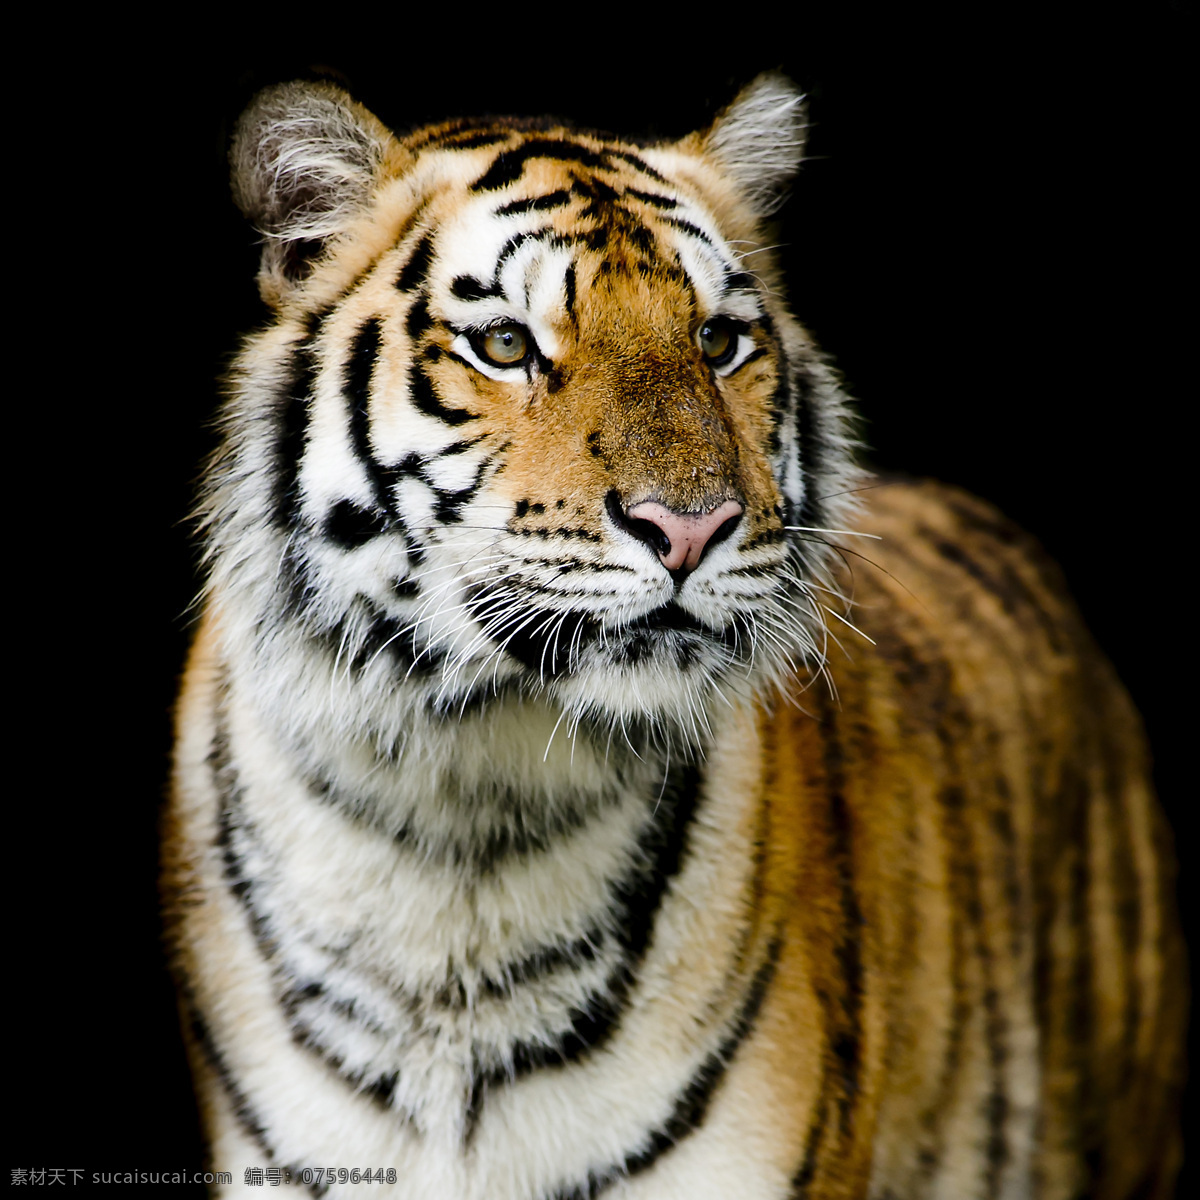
509	165
609	212
557	199
652	198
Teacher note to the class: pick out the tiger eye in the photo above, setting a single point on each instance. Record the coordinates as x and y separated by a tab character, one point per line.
505	345
717	341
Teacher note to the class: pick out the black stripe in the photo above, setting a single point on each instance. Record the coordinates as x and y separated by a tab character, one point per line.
544	961
510	248
807	1170
472	141
593	239
300	993
800	394
347	523
449	504
426	399
740	281
510	164
418	319
384	634
414	272
1014	890
539	638
569	288
453	357
504	843
294	413
635	904
926	683
233	826
781	407
349	526
955	732
595	190
638	163
841	1066
1007	587
228	787
768	570
527	830
691	1107
388	634
293	584
364	351
846	1017
652	198
380	1088
467	287
694	230
557	199
243	1110
995	1104
995	526
641	237
447	509
691	1104
1011	588
770	536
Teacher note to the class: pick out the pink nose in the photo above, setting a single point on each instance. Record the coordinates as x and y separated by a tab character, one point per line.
680	539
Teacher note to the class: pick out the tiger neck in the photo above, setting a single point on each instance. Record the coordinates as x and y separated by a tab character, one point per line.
516	875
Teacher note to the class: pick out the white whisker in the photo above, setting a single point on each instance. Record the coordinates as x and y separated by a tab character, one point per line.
833	532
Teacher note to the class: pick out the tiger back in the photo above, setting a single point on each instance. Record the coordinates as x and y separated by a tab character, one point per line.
555	813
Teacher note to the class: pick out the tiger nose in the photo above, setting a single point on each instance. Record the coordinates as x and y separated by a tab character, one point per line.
680	539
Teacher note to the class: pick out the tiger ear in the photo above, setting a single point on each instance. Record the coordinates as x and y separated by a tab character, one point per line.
759	140
305	159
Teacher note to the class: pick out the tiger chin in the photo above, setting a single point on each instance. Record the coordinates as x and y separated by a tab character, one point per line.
568	800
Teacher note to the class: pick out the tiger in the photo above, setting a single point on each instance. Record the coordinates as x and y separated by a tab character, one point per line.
590	781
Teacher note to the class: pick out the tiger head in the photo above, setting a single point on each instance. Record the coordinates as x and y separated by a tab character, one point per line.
530	417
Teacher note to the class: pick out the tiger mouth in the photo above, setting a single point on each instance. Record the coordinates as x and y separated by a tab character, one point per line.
550	643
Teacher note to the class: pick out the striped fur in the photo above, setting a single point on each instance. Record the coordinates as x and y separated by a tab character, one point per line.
503	855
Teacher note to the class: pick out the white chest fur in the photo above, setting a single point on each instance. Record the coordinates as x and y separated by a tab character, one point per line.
462	1008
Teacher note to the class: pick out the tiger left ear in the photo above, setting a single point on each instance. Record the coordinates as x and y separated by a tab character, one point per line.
759	140
305	160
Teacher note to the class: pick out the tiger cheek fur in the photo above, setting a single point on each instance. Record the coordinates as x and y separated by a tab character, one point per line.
532	836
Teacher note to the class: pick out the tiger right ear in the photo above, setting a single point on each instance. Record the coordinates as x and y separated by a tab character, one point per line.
759	140
305	159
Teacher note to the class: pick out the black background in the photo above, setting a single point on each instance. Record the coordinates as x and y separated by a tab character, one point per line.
987	236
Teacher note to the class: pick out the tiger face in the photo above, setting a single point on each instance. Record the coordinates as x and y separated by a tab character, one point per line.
541	424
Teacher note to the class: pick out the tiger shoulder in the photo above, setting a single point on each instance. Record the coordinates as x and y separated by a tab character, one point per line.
589	781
